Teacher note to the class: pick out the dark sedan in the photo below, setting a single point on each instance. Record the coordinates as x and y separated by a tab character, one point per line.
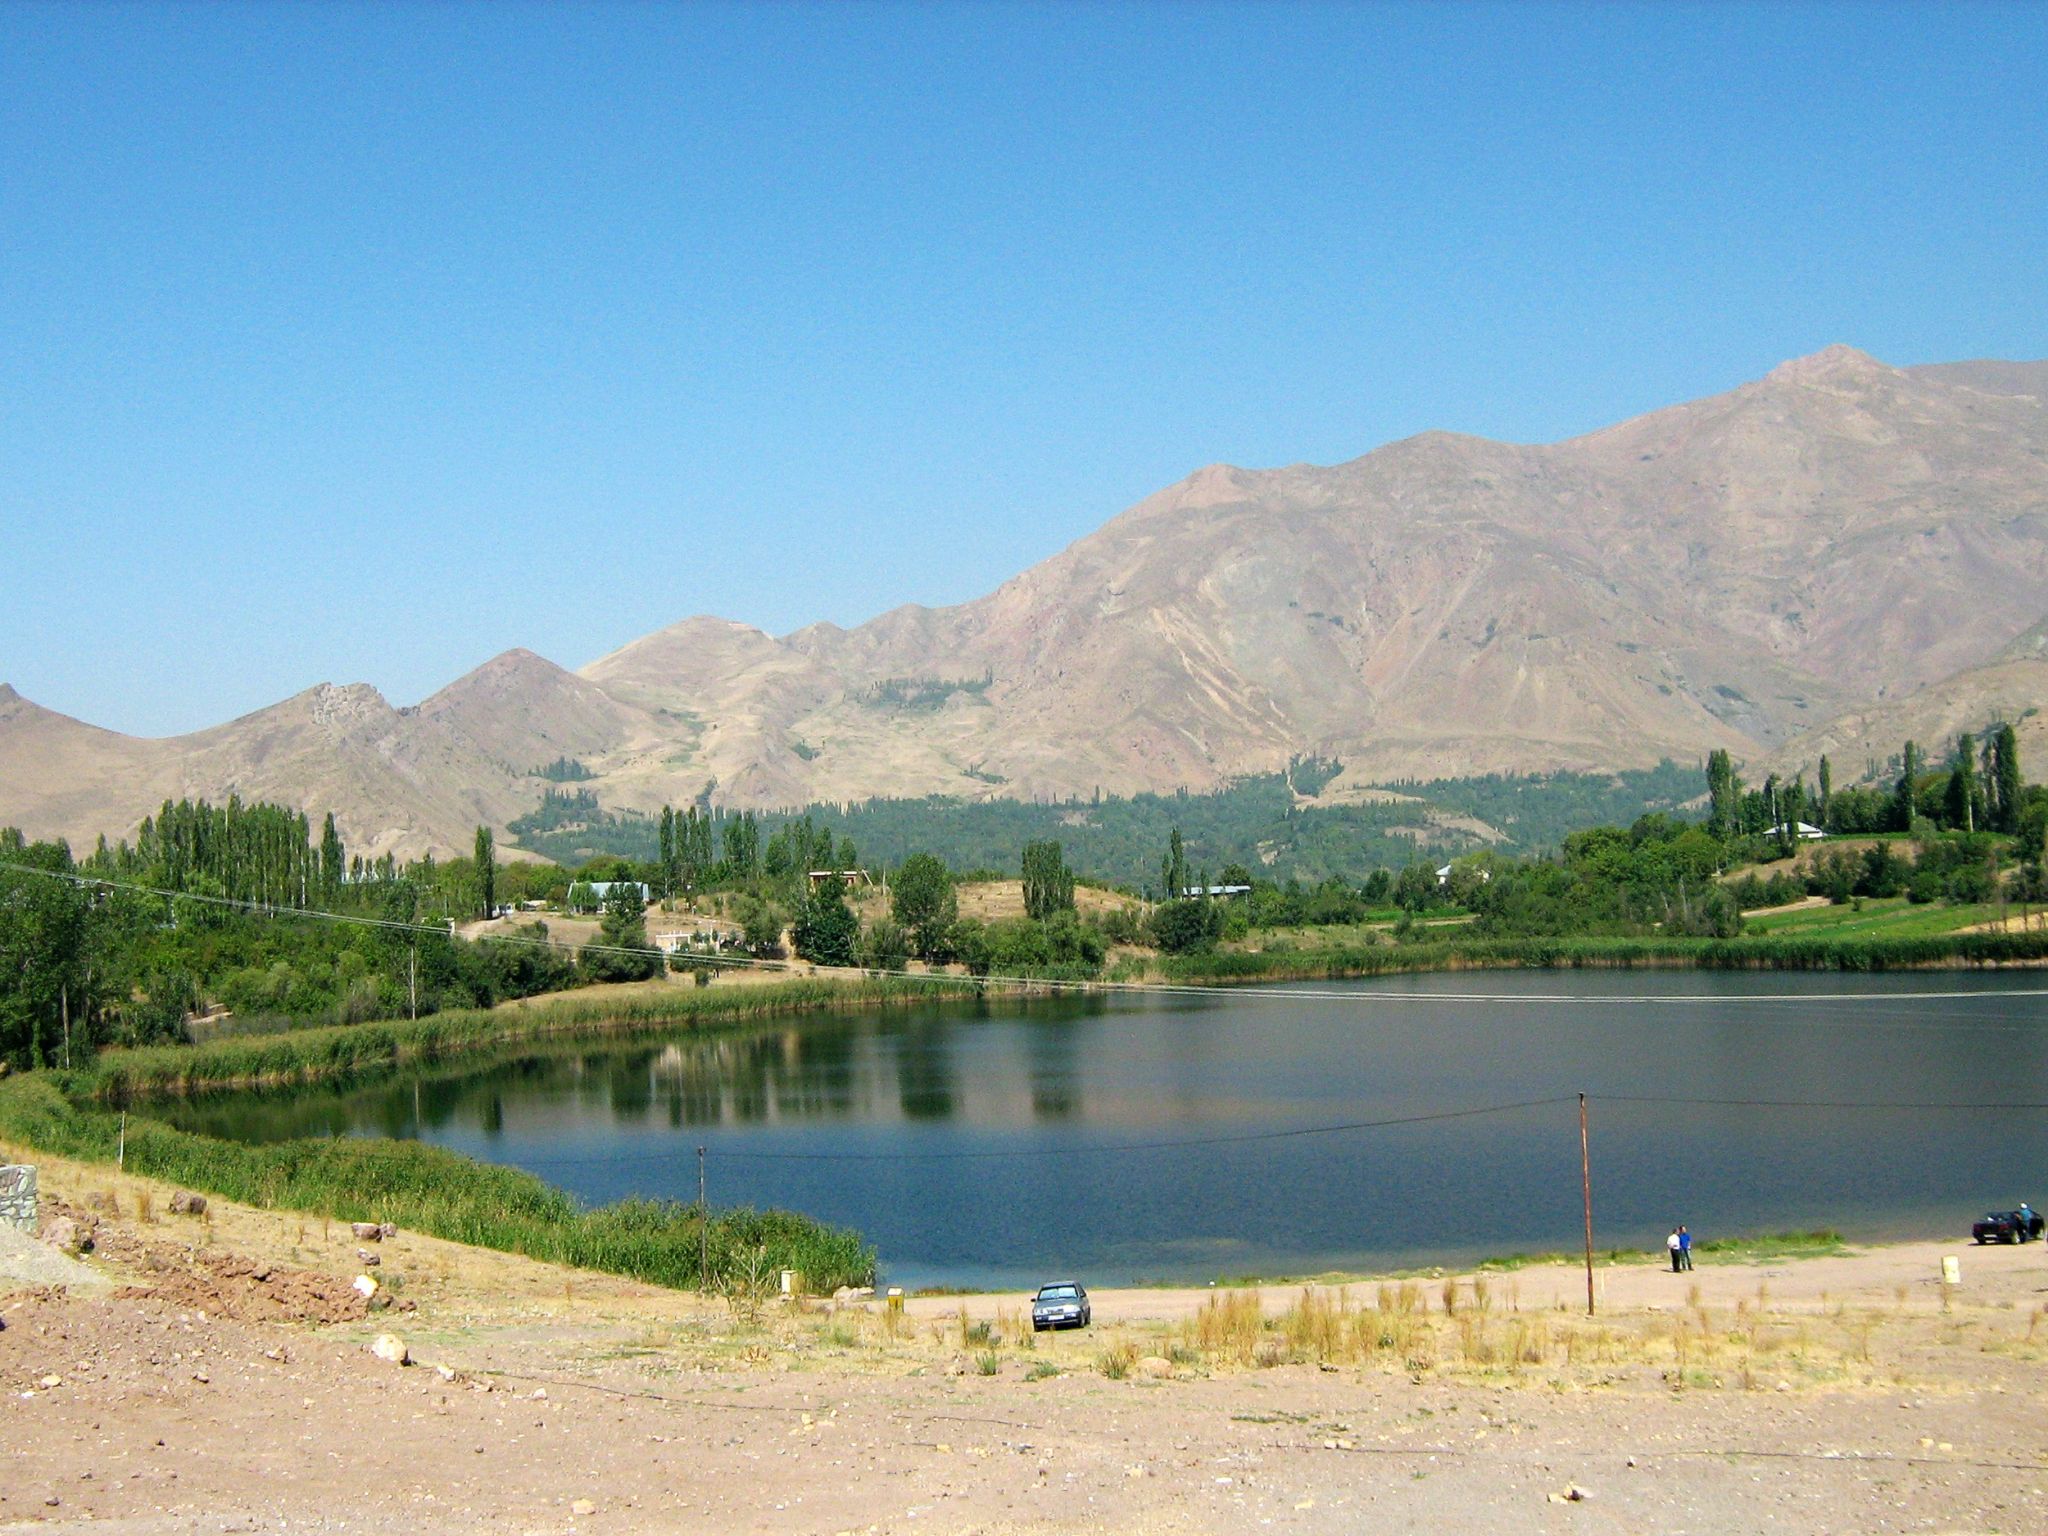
1061	1305
2007	1226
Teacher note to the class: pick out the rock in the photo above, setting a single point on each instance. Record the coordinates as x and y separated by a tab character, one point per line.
445	1372
187	1203
61	1233
1154	1366
583	1507
390	1347
381	1302
367	1231
367	1258
364	1286
386	1230
51	1381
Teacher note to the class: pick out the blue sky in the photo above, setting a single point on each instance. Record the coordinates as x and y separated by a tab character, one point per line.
358	343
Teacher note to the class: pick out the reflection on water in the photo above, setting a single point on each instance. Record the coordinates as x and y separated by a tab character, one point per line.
981	1144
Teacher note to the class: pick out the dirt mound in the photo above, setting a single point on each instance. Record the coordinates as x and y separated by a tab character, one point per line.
219	1284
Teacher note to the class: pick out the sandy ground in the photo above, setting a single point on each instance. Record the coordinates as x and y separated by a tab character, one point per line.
224	1383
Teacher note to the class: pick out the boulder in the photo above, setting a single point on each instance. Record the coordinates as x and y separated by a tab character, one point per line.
61	1233
1155	1366
364	1286
389	1346
367	1258
367	1231
386	1229
186	1203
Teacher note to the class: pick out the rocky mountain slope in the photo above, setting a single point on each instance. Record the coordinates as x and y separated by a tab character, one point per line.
1829	554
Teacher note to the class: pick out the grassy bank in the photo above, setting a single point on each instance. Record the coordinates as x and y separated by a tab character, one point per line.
1865	952
309	1055
427	1189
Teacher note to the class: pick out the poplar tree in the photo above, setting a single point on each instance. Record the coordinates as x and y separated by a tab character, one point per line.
486	872
1908	788
331	861
1962	784
2005	779
1048	883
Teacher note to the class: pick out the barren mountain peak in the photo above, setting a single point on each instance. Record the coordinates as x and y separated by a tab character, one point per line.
1839	363
1765	570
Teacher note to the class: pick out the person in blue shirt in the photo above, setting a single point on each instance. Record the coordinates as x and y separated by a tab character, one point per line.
1684	1249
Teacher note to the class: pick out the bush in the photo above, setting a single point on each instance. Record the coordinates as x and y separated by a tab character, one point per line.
1185	927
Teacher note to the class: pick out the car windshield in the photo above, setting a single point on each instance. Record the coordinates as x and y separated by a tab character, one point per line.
1057	1293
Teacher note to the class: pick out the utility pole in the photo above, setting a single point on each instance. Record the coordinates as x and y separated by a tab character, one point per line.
1586	1185
703	1232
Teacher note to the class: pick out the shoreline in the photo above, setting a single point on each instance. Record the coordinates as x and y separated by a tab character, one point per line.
291	1057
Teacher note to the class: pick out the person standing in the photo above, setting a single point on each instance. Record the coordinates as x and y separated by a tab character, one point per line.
1671	1243
1684	1249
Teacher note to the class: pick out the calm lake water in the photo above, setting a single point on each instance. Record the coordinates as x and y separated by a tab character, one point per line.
1134	1139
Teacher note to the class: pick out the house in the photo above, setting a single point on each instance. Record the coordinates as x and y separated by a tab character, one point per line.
1196	892
849	878
1803	831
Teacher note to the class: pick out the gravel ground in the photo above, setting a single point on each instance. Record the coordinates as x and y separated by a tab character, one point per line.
225	1384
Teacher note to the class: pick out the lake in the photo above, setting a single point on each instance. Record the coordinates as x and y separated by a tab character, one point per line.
1182	1138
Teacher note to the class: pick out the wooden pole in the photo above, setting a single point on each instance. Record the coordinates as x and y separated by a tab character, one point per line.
703	1231
1586	1186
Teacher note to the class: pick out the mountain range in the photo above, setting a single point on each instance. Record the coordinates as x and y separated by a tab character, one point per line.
1828	559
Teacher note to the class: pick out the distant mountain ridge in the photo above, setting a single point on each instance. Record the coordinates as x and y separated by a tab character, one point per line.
1838	549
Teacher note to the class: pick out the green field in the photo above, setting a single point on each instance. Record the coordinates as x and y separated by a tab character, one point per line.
1891	917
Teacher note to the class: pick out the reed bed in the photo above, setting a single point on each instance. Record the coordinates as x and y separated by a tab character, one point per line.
428	1189
308	1055
1847	952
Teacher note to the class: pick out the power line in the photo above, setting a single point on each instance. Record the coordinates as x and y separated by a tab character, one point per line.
1645	1098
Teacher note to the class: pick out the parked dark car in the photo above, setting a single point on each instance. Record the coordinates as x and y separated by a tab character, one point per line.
1062	1304
2007	1226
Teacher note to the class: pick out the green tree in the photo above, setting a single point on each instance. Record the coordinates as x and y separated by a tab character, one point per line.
1184	926
1827	789
1048	883
1416	887
1724	794
826	931
621	951
486	873
1908	789
761	923
2005	782
46	1000
923	900
1173	869
1962	784
333	863
885	946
